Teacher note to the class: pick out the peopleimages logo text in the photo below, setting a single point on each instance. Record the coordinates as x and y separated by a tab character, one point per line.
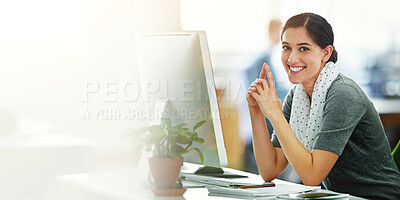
115	114
150	90
136	100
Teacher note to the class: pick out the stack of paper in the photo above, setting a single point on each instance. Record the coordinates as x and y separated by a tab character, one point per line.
279	189
315	195
210	180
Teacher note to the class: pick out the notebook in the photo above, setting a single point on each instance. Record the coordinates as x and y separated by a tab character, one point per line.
315	195
279	189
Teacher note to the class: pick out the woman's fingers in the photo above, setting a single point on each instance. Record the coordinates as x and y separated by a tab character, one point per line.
248	93
264	83
270	79
263	72
254	84
259	89
267	89
255	96
254	89
266	73
261	85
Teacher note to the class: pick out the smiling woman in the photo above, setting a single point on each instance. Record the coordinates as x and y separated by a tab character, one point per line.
327	126
308	43
299	54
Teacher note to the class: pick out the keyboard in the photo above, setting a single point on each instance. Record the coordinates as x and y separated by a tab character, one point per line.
210	180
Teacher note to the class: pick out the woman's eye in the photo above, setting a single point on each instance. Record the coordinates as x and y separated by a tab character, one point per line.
304	49
285	48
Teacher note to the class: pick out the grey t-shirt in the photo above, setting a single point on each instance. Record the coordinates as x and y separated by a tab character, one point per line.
351	128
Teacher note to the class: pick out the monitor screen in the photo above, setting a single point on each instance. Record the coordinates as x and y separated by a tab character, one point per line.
177	67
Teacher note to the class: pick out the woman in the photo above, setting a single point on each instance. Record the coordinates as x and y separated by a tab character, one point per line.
327	128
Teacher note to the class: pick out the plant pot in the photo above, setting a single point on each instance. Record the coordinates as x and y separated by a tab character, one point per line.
165	171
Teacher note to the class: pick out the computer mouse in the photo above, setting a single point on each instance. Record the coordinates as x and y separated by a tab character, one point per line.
209	170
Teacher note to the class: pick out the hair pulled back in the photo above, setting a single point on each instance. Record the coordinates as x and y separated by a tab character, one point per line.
317	28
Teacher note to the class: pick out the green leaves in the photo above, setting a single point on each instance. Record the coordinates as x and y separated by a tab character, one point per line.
165	139
200	123
176	151
199	140
180	139
200	154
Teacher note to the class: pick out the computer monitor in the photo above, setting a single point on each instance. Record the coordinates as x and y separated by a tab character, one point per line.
177	67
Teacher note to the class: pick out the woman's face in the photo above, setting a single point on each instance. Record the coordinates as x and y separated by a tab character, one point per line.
302	58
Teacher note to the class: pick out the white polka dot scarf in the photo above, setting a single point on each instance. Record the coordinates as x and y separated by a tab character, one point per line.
306	116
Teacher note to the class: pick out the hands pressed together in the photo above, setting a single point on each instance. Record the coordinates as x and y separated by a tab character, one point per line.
263	95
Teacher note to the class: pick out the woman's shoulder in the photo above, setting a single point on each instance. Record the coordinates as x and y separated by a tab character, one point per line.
344	81
347	88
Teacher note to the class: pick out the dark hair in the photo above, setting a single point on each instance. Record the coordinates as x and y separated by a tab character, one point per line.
317	28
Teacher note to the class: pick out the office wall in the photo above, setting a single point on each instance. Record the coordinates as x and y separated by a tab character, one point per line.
51	50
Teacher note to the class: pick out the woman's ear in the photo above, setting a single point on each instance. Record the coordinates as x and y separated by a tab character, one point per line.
327	53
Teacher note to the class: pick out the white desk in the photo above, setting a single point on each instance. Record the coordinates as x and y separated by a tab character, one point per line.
122	185
30	163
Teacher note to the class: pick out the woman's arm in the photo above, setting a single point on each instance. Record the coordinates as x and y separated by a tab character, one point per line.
313	167
270	160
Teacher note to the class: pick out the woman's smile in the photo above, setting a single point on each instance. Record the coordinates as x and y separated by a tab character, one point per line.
295	69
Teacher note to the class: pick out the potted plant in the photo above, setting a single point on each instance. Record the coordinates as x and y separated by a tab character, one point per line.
167	143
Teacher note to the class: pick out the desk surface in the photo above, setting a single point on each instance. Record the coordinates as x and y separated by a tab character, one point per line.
122	184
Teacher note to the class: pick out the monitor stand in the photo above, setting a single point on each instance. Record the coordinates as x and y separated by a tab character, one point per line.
217	172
